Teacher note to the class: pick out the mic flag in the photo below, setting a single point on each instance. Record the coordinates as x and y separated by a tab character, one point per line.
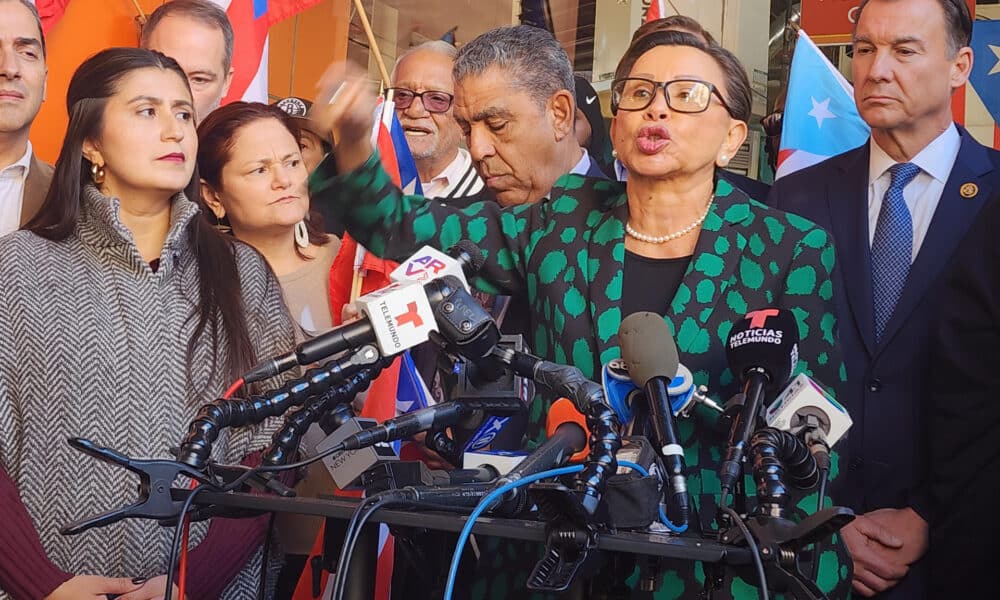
765	341
564	411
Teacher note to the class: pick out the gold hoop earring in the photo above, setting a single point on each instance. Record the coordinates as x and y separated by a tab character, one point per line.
97	173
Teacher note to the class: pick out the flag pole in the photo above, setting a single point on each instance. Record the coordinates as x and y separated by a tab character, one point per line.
356	281
383	72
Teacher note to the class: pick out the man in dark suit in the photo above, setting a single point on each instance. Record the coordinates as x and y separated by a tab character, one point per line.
24	180
897	208
963	417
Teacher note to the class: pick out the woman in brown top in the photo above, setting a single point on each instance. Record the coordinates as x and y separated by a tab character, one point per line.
254	181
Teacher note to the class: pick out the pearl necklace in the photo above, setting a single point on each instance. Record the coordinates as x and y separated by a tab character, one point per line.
649	239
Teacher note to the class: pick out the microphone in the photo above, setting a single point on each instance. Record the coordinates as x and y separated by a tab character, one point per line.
567	436
649	350
762	350
805	408
430	263
621	392
396	317
438	416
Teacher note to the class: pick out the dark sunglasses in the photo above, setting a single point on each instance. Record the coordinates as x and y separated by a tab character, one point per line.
433	100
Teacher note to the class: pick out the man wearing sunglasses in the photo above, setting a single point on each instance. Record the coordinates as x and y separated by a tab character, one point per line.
424	91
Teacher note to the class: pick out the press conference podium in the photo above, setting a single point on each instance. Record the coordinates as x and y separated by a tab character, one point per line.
361	584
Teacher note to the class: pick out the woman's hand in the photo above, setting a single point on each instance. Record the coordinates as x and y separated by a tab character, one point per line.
92	587
345	105
152	589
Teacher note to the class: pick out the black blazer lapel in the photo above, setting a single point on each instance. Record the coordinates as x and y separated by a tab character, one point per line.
847	198
952	218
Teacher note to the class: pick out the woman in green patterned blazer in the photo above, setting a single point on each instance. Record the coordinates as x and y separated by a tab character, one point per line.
677	240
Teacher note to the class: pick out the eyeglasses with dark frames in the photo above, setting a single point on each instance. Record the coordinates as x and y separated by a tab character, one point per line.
434	101
682	95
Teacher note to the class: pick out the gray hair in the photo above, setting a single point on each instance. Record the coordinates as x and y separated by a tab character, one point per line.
38	20
436	46
533	60
203	12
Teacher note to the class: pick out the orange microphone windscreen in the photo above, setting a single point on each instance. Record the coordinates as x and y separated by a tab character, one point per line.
564	411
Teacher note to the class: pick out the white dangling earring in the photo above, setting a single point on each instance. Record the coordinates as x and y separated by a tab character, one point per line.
301	235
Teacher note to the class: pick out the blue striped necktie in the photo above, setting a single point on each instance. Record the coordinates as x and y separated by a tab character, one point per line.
892	246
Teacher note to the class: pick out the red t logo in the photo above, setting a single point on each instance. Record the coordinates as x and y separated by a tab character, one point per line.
759	317
410	316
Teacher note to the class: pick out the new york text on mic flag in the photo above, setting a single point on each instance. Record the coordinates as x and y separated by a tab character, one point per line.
820	118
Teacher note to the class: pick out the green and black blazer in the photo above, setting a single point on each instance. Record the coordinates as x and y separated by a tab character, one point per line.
566	255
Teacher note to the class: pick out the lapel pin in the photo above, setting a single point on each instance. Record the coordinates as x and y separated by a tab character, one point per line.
969	190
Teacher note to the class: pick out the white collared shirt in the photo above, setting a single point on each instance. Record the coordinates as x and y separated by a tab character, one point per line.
456	180
12	192
924	192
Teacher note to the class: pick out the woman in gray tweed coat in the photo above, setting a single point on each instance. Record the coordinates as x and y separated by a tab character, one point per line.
122	310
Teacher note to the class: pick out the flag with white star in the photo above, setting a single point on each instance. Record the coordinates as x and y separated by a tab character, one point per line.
820	119
985	76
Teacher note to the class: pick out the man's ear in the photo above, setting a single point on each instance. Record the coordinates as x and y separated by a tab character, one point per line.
562	105
211	198
228	82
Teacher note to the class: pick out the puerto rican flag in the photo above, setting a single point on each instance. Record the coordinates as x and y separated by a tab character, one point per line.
981	110
655	11
820	118
251	20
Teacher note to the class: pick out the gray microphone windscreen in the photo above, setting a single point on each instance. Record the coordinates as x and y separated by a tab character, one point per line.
648	347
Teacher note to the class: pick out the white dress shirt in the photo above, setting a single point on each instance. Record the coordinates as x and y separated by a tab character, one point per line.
924	192
456	180
12	191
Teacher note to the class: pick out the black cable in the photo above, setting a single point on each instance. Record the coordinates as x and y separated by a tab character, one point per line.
364	511
752	545
262	576
175	543
824	475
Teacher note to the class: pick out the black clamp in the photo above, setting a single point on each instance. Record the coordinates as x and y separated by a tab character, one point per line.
157	500
781	542
566	551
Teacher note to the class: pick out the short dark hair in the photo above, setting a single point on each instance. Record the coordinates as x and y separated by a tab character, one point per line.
38	20
201	11
737	92
956	17
673	23
533	60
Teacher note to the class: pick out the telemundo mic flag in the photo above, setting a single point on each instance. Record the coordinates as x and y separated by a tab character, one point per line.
820	118
985	75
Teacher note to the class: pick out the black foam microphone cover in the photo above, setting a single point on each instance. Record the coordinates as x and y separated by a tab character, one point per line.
648	347
469	255
764	340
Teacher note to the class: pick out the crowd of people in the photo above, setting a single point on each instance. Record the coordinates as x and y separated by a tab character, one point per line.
175	242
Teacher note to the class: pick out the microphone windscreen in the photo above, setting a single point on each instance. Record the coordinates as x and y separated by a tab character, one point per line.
648	347
470	255
564	411
766	339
